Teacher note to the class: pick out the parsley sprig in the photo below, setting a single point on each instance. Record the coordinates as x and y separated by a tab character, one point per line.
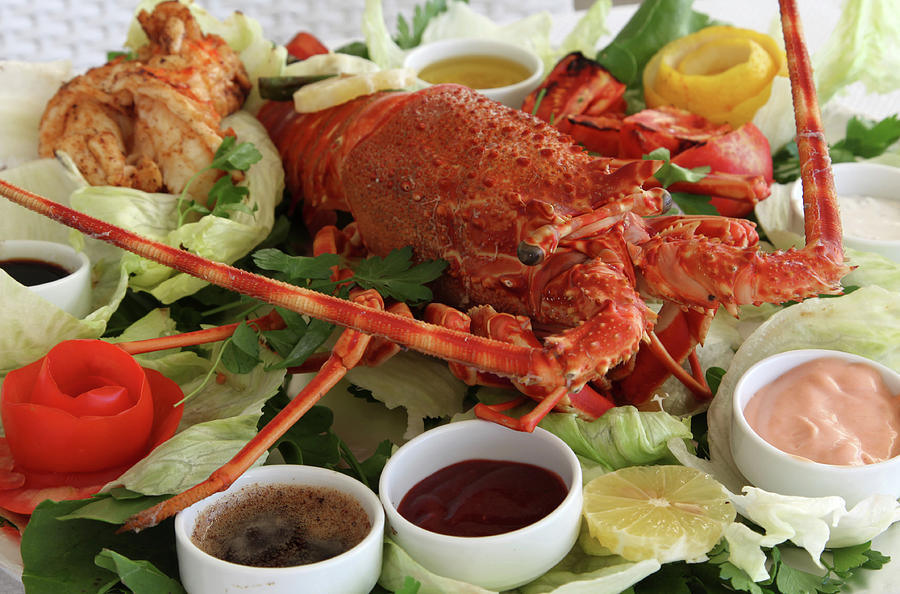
717	575
394	276
224	197
864	139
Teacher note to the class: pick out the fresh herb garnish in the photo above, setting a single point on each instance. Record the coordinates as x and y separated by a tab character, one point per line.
224	197
671	173
654	24
864	139
409	36
312	441
718	575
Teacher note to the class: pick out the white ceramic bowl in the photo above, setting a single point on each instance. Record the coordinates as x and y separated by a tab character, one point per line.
861	179
354	571
71	293
499	562
771	469
512	95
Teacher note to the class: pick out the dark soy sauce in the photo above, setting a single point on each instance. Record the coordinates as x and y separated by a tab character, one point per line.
281	525
30	272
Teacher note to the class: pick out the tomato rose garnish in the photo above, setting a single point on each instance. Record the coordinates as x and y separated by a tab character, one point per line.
78	418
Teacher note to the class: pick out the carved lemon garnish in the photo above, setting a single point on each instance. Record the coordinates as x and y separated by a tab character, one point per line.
721	73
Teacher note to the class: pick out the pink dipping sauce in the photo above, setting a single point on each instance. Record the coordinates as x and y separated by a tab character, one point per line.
830	411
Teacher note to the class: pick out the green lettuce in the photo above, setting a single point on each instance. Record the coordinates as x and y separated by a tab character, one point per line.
155	216
25	89
219	418
622	437
864	46
424	387
865	322
31	325
459	20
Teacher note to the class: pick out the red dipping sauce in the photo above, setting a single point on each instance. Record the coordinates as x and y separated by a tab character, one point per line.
483	498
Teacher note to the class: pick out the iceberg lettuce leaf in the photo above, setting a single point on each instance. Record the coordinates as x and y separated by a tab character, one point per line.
622	437
864	46
217	238
31	325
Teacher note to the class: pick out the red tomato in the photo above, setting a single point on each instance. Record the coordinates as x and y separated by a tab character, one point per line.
78	418
304	45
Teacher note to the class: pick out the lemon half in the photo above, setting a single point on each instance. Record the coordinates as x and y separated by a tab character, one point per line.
667	513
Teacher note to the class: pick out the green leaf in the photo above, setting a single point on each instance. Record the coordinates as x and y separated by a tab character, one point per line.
241	352
654	24
59	556
866	138
112	510
409	36
296	269
299	340
714	377
141	577
794	581
670	173
394	276
410	586
694	204
231	156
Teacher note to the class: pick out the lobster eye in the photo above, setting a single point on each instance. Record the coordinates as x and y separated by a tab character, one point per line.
529	255
667	203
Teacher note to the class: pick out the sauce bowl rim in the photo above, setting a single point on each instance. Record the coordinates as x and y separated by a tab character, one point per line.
741	398
257	476
536	68
880	169
83	260
573	490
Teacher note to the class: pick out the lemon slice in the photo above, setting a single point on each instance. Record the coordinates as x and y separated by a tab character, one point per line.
667	513
330	64
334	91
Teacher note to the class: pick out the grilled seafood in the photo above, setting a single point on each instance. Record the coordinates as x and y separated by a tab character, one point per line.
569	238
151	122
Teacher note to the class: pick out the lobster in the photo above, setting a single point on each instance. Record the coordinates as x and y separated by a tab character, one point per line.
527	220
583	99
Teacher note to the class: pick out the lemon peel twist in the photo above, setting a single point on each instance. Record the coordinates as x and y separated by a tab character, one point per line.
722	73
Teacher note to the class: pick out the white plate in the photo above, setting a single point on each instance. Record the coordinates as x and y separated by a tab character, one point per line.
819	18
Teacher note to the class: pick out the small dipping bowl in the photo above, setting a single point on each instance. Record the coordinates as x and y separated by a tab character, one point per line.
70	293
512	95
862	179
498	562
354	571
771	469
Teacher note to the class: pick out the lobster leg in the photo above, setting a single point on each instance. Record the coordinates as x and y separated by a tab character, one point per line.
733	276
494	356
347	352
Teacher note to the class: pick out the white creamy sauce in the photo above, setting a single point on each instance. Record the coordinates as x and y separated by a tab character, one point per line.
870	217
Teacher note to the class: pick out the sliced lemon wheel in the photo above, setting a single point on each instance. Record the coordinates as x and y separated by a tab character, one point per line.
667	513
335	91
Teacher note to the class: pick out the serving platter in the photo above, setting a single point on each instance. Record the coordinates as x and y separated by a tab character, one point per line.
819	19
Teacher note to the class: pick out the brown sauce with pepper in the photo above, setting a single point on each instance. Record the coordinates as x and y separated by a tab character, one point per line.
483	498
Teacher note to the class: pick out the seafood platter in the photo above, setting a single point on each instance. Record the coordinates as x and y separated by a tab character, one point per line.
526	325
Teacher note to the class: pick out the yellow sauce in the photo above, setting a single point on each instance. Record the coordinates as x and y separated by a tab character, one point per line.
829	410
474	71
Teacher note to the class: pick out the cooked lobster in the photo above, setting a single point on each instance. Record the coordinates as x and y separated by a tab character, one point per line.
583	99
531	225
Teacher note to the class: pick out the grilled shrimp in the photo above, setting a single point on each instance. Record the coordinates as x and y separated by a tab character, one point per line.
151	122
